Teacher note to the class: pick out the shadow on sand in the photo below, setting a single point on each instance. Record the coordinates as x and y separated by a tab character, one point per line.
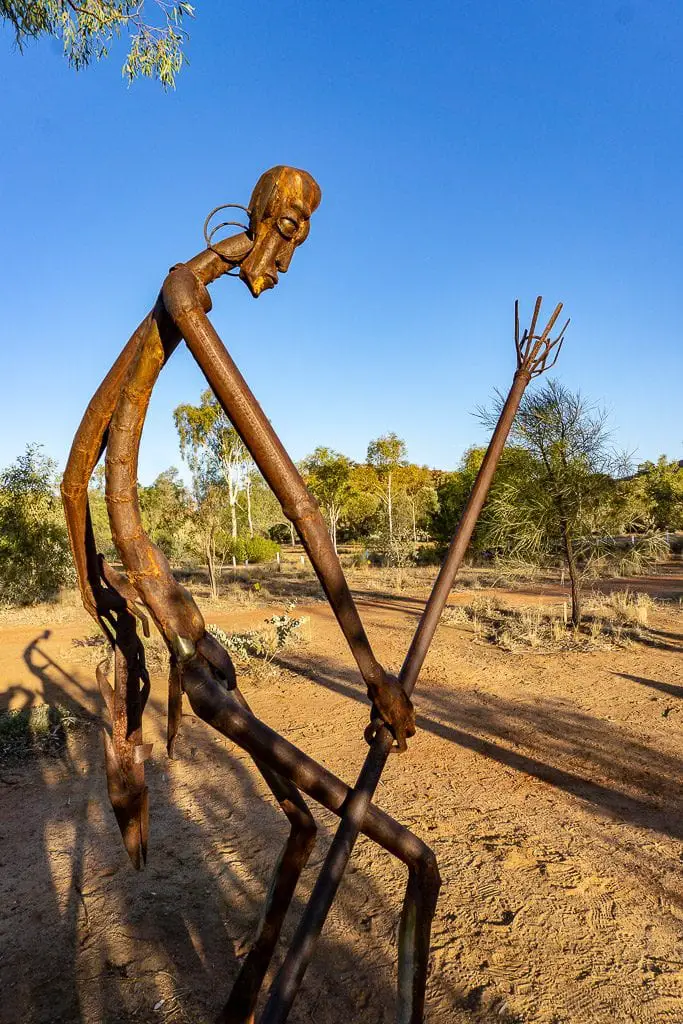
84	938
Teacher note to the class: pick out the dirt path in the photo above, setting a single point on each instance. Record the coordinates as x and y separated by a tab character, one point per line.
548	785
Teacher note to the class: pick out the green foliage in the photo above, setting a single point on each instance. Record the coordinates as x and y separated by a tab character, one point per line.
88	28
266	512
453	490
221	469
327	475
362	505
252	549
564	496
563	483
99	515
166	510
386	454
660	485
35	558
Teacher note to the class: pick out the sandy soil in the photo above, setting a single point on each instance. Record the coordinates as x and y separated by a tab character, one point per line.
548	785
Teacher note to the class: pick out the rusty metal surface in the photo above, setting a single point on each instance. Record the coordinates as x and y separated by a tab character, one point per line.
279	212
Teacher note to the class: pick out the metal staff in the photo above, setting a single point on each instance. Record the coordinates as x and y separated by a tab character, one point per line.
533	352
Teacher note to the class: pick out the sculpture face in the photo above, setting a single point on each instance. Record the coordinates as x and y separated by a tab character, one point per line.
280	209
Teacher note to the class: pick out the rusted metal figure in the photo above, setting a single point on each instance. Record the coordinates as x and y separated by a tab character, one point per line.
279	213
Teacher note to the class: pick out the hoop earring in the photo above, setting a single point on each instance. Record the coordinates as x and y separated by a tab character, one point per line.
209	235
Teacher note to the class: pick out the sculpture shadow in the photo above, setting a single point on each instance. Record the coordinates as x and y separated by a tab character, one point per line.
87	938
671	689
609	768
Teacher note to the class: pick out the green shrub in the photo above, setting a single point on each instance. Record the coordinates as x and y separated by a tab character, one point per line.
35	559
253	549
429	554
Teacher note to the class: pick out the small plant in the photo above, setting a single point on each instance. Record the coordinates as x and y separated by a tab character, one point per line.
285	627
259	645
249	644
38	730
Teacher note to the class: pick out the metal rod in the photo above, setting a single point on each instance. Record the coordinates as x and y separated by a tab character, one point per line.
291	974
298	957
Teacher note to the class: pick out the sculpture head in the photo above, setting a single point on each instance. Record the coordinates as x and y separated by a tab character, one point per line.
279	213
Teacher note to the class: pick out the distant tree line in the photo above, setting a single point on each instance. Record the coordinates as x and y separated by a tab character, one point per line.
561	496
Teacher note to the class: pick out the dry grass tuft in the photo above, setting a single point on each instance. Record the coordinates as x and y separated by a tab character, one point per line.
41	729
616	620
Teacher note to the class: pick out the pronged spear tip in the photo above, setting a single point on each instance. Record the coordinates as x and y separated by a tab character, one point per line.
534	349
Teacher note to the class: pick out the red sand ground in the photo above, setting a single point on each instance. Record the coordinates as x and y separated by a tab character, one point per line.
548	785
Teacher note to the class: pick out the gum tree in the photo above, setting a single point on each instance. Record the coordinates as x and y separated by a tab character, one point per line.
87	29
327	474
566	492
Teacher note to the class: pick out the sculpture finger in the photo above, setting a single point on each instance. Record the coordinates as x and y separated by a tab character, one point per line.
175	707
129	802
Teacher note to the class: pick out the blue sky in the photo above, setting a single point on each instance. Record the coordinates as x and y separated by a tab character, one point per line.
469	152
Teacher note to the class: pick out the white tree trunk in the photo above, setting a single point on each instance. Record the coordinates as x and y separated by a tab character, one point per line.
232	499
249	518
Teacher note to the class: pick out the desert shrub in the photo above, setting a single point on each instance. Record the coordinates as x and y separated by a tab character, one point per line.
613	620
623	607
35	559
263	644
428	554
252	549
395	552
41	729
250	643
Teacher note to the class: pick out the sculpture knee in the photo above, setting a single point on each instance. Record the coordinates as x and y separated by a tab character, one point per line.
424	880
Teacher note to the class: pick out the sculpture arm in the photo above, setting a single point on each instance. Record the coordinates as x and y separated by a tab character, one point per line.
187	302
86	450
91	436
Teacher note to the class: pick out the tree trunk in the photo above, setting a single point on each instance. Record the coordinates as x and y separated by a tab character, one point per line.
249	519
232	499
333	527
211	567
412	506
292	534
573	571
390	510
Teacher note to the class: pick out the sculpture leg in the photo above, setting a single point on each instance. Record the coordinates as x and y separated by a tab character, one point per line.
415	927
241	1004
414	935
219	709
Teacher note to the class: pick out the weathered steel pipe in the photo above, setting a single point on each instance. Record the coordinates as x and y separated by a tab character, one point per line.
532	352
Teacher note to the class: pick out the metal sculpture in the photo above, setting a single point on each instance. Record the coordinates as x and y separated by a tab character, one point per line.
279	213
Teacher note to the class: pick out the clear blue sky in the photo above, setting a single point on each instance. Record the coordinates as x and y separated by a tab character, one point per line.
469	152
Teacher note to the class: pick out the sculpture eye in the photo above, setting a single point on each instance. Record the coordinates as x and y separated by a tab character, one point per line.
287	227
